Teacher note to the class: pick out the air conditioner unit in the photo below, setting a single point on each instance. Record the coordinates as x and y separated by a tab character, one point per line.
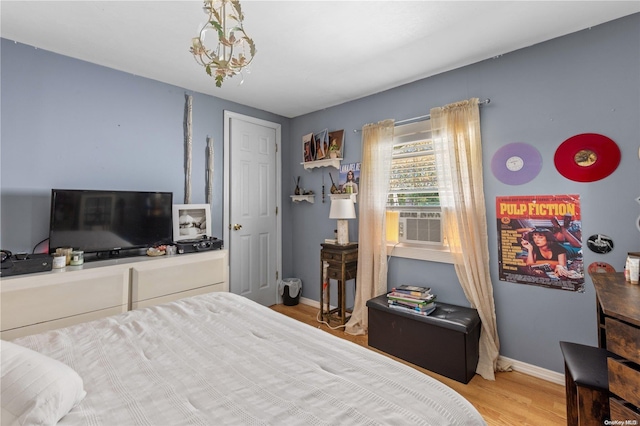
420	227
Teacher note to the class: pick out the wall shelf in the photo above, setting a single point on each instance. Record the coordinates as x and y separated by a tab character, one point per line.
309	198
331	162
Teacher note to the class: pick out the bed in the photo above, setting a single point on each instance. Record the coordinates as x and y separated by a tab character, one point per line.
214	359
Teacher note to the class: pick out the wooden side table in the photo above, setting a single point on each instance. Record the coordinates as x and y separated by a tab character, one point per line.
343	265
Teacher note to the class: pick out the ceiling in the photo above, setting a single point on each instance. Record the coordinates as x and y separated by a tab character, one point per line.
311	54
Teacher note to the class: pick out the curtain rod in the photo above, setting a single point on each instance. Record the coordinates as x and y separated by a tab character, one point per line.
424	117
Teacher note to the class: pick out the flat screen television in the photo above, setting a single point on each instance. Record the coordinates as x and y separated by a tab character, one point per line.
109	223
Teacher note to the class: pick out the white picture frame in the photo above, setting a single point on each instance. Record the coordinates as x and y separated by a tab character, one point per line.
191	221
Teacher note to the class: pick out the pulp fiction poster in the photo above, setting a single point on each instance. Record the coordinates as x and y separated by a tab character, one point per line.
540	241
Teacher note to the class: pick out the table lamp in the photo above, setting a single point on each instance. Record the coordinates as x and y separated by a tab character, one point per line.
342	209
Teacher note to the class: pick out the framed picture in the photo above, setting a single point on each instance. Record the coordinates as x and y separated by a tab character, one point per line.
308	148
336	144
191	221
322	144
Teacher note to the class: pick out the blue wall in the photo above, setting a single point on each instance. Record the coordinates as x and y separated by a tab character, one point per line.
68	123
587	82
72	124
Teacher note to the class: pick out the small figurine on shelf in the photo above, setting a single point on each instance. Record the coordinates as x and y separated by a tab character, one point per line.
297	190
334	149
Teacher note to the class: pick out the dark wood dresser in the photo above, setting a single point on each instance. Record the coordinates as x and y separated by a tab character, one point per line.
618	304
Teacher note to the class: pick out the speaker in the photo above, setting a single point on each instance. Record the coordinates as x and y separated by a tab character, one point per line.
198	244
18	264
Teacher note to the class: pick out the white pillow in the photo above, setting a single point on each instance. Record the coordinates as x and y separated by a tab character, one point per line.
36	389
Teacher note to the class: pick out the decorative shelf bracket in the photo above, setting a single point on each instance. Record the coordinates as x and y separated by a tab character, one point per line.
331	162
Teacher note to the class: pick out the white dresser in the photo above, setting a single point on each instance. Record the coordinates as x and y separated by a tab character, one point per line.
33	303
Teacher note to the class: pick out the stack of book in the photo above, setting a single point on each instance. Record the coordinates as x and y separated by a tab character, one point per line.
418	300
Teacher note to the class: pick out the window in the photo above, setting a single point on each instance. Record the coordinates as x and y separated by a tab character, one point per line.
414	226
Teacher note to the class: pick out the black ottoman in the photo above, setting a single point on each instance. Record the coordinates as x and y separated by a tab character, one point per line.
445	342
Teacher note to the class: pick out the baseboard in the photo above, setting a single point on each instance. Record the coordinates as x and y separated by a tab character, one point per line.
535	371
310	302
519	366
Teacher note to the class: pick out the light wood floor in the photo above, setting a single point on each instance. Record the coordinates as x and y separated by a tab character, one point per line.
512	399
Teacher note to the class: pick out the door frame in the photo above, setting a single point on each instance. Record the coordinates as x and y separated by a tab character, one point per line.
226	223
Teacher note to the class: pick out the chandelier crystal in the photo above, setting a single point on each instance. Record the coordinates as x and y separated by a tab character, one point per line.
234	50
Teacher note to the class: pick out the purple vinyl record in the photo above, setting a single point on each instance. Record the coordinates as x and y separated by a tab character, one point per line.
516	163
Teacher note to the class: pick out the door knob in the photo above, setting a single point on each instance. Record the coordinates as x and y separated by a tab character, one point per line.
237	227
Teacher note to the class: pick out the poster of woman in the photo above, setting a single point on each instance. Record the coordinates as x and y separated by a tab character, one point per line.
349	178
540	241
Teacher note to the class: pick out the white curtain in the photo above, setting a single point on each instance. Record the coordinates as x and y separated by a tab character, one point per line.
371	279
458	149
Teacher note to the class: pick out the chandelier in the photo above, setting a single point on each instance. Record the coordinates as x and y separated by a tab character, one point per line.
229	56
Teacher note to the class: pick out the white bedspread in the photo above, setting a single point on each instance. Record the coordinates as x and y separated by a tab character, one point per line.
223	359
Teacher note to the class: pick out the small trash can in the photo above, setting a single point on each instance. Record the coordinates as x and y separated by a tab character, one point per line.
290	290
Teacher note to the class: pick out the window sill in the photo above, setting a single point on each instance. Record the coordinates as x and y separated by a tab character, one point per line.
419	252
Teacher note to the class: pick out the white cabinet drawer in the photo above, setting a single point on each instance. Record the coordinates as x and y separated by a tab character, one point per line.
35	299
151	280
175	296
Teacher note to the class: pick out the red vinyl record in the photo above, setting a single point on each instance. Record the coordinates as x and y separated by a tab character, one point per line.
587	157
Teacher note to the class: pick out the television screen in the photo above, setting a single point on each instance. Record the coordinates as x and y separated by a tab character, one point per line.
109	221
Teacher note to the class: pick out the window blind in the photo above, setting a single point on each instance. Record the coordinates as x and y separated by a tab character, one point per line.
413	181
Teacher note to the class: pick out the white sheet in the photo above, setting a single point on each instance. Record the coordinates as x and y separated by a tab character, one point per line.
220	358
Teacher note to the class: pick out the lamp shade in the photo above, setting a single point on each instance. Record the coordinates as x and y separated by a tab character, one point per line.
342	208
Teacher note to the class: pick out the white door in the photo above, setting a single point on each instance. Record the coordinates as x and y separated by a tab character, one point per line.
252	203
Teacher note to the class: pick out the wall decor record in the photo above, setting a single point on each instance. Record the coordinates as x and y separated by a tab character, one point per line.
587	157
599	243
516	163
